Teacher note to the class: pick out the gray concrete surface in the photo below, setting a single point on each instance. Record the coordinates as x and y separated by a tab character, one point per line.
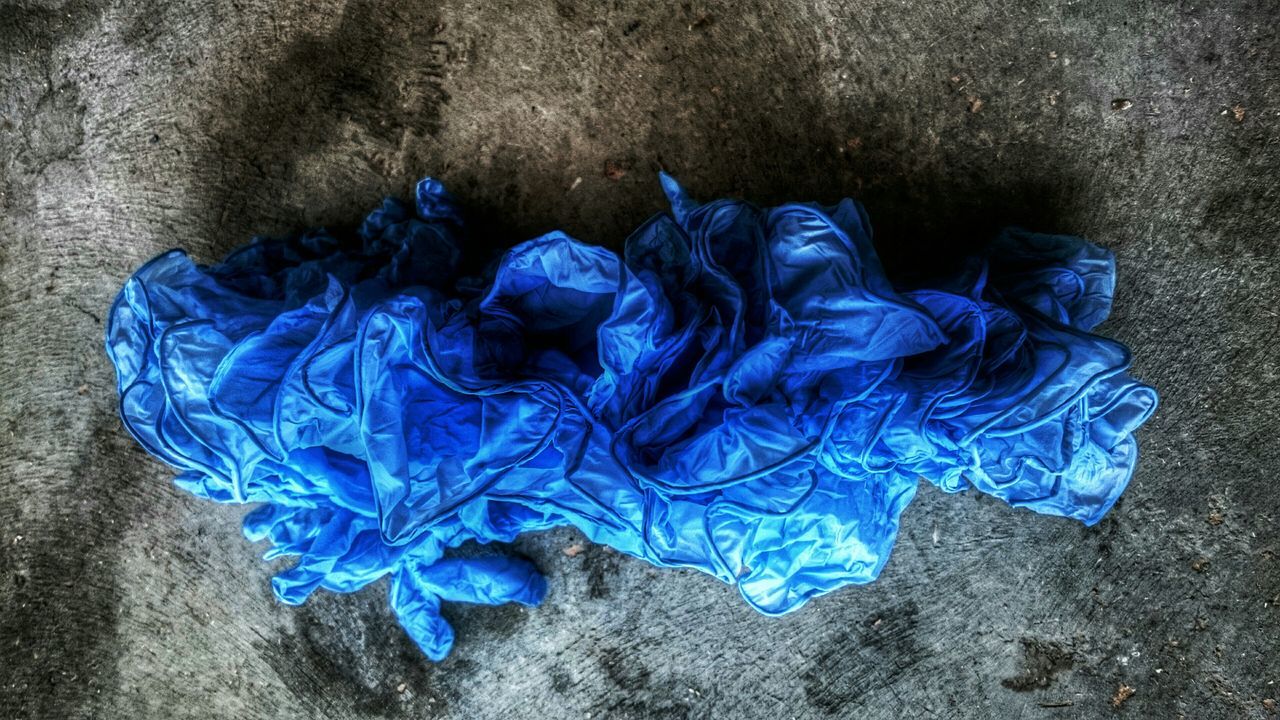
1153	128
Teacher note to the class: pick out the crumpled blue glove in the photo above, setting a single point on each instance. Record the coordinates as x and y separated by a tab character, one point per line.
743	391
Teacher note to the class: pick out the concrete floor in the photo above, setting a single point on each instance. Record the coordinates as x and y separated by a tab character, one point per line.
1152	128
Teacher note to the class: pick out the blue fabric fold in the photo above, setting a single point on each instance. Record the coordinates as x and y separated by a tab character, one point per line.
742	390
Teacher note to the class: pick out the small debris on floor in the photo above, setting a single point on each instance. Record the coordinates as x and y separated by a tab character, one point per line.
1270	705
1200	564
1123	693
975	103
573	550
614	171
1121	104
1237	111
1215	518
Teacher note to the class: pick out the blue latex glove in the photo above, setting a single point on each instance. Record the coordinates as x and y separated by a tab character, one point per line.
743	391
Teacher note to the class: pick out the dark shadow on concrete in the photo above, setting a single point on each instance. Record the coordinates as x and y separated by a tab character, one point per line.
770	132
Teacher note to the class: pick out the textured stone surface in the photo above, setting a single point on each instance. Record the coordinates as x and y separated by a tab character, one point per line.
1154	129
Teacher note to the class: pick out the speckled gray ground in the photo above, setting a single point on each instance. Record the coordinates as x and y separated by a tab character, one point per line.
1153	128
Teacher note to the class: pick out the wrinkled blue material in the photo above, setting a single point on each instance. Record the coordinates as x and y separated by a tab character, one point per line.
743	392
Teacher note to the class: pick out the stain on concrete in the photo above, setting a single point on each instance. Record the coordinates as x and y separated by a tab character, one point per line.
1042	660
58	619
601	564
361	663
373	80
856	662
623	669
636	691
